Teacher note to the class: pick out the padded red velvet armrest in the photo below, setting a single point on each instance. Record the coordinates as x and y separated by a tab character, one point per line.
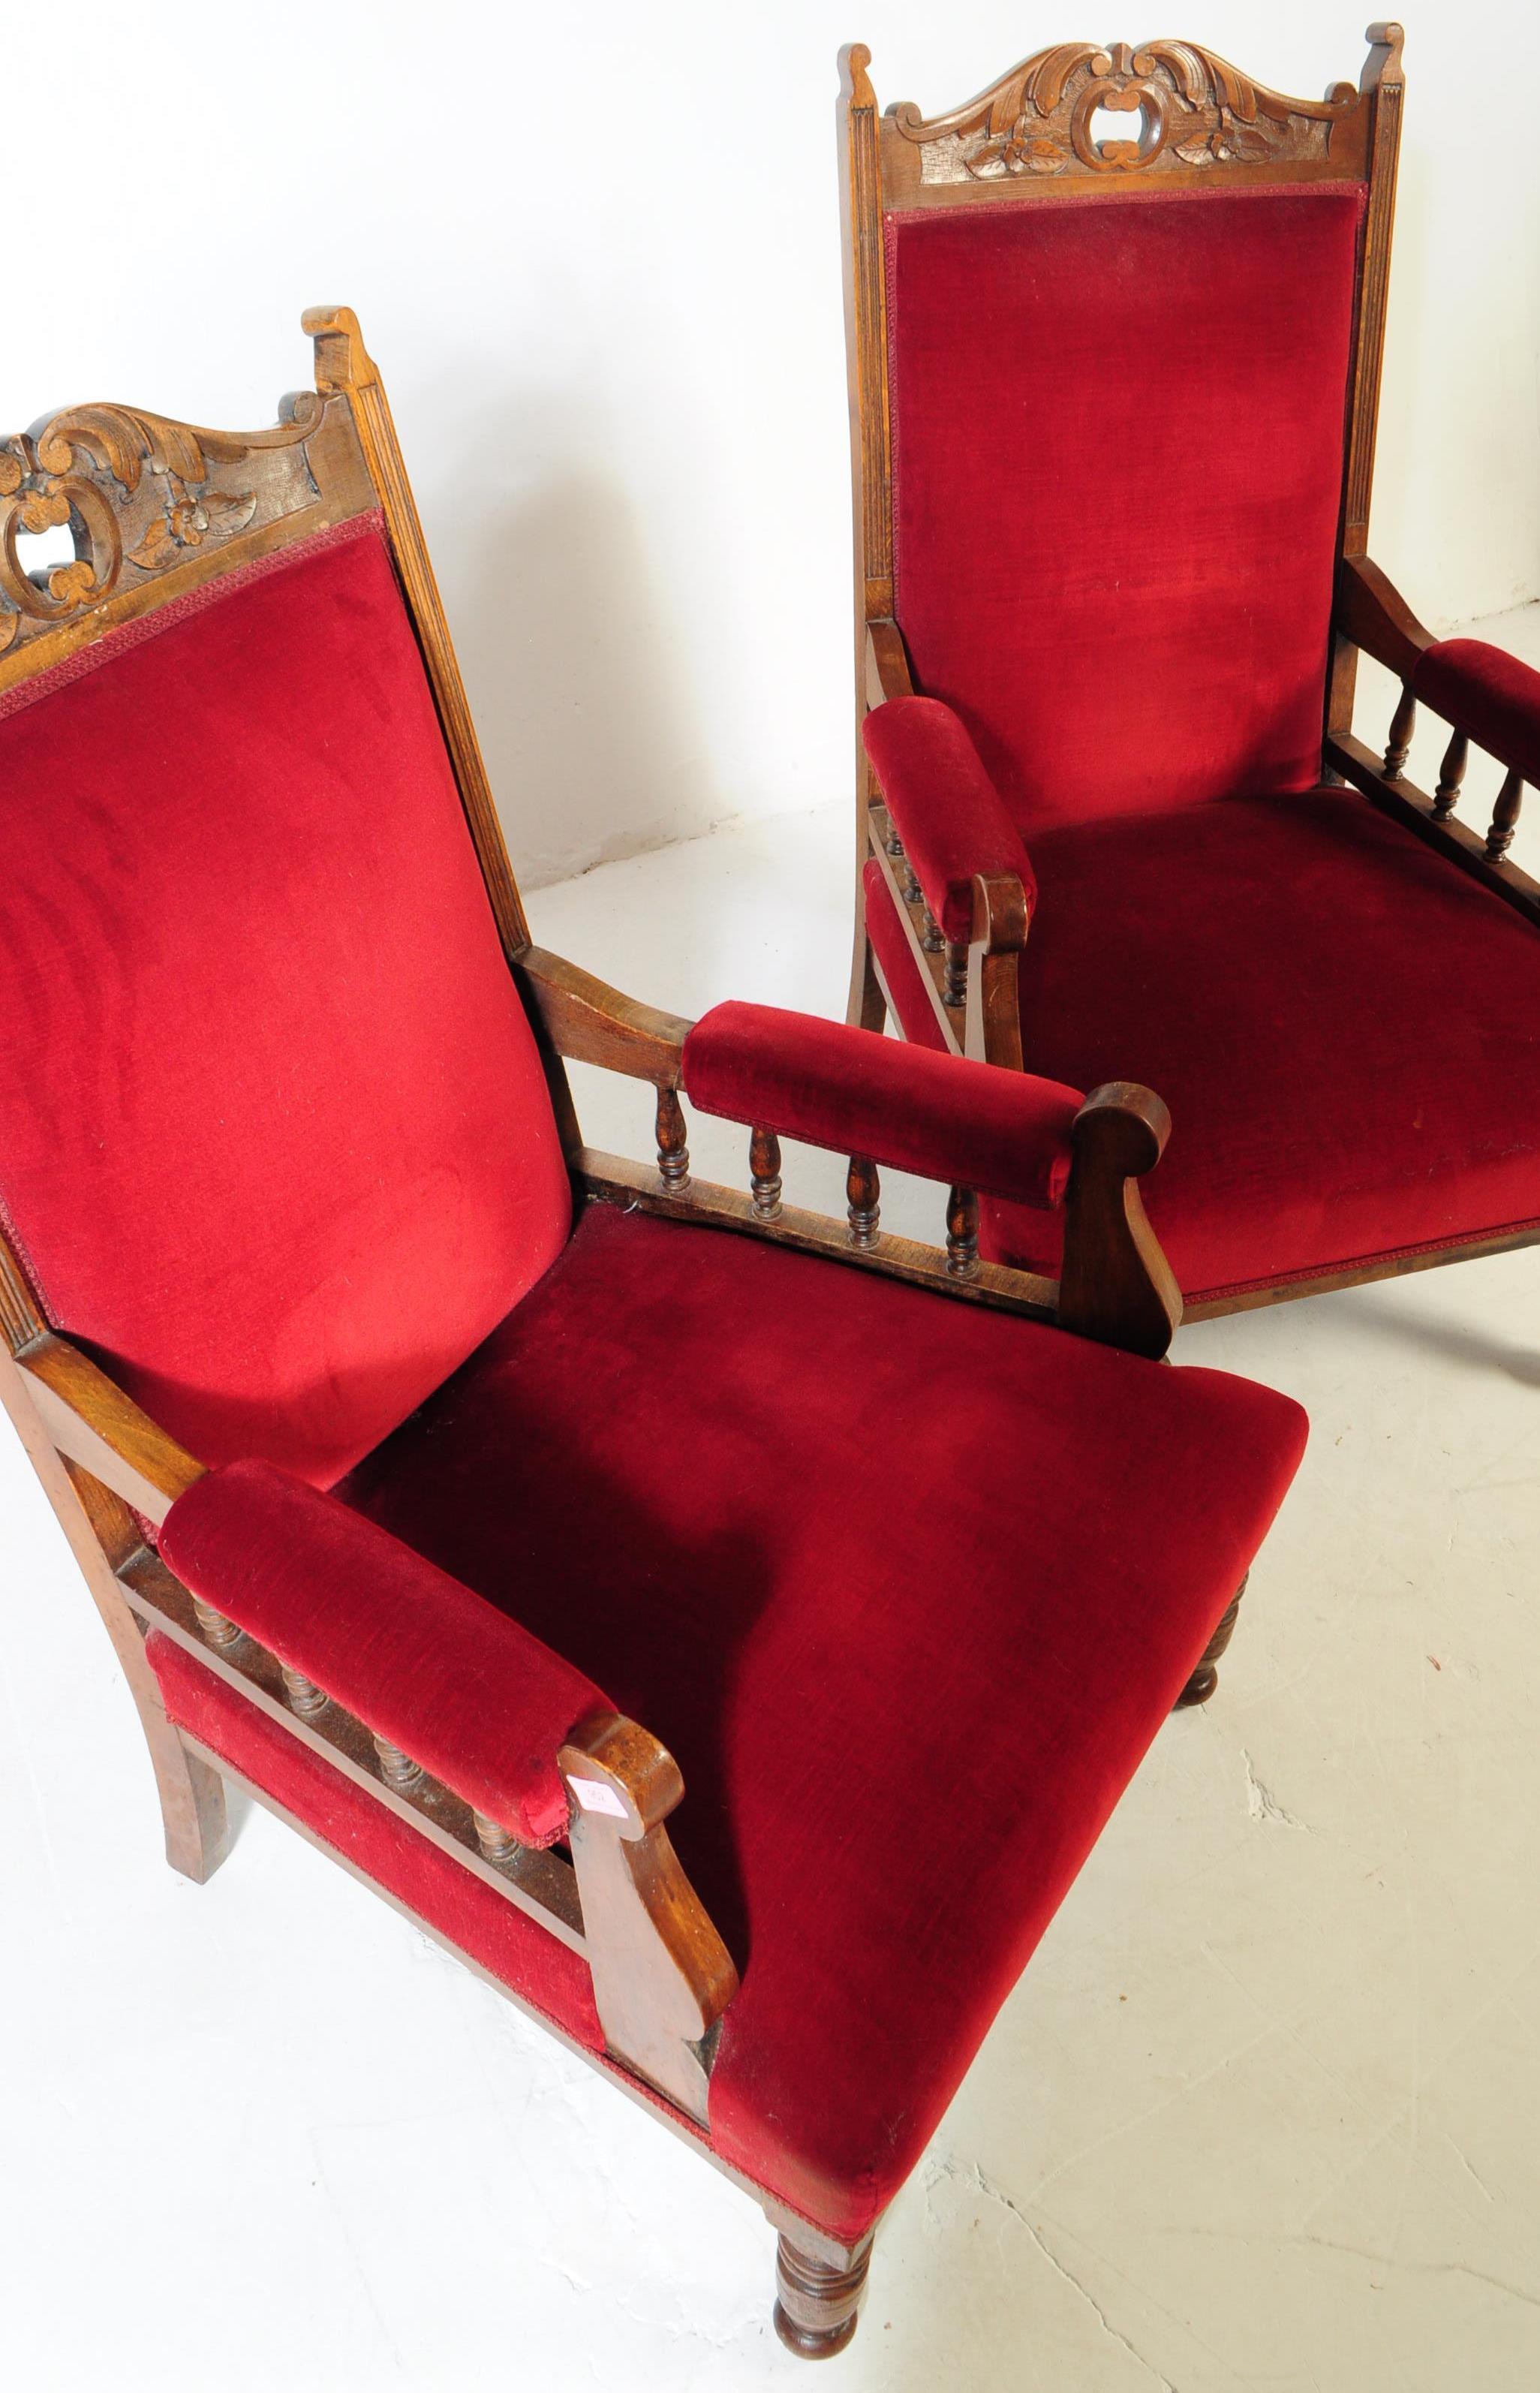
945	806
420	1659
1487	694
1006	1133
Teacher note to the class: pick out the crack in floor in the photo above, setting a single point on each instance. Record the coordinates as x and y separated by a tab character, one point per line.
1262	1804
1473	2174
1424	2267
973	2179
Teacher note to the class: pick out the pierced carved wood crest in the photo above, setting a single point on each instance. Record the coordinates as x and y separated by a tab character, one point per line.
137	494
1184	106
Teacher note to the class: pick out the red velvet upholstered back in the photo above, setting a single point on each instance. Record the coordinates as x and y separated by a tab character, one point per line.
274	1136
1118	438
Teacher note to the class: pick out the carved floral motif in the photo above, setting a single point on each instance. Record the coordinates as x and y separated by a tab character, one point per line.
189	521
134	489
1183	103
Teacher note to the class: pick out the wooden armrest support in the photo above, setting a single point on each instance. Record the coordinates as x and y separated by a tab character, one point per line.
888	673
858	1093
1371	612
967	855
662	1976
962	852
1115	1285
585	1019
1001	913
1481	692
92	1422
447	1682
1011	1135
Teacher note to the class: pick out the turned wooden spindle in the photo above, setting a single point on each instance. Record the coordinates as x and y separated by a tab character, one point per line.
217	1630
397	1769
1400	744
817	2301
956	990
304	1697
674	1155
498	1843
962	1233
764	1174
1450	774
1505	814
913	893
893	843
930	934
863	1190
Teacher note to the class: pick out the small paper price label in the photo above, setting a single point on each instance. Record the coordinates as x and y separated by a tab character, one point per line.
595	1796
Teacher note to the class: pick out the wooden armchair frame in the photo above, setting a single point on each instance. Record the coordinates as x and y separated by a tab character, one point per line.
158	508
976	155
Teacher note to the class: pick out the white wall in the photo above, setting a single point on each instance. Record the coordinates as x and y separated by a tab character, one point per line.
596	254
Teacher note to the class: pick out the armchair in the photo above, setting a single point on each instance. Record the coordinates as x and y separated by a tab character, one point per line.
1112	417
460	1492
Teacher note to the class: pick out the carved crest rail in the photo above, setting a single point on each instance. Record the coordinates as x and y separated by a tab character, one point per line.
139	495
1185	106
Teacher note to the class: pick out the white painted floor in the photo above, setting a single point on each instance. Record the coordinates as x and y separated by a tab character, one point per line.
1264	2112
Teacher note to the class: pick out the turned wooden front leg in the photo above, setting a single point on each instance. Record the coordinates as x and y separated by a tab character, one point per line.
817	2301
1206	1677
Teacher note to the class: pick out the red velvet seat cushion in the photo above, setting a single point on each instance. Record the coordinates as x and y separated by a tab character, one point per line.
1346	1029
1117	435
904	1699
274	1135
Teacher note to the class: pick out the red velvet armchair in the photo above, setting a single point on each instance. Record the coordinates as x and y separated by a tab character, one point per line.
1114	340
452	1488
